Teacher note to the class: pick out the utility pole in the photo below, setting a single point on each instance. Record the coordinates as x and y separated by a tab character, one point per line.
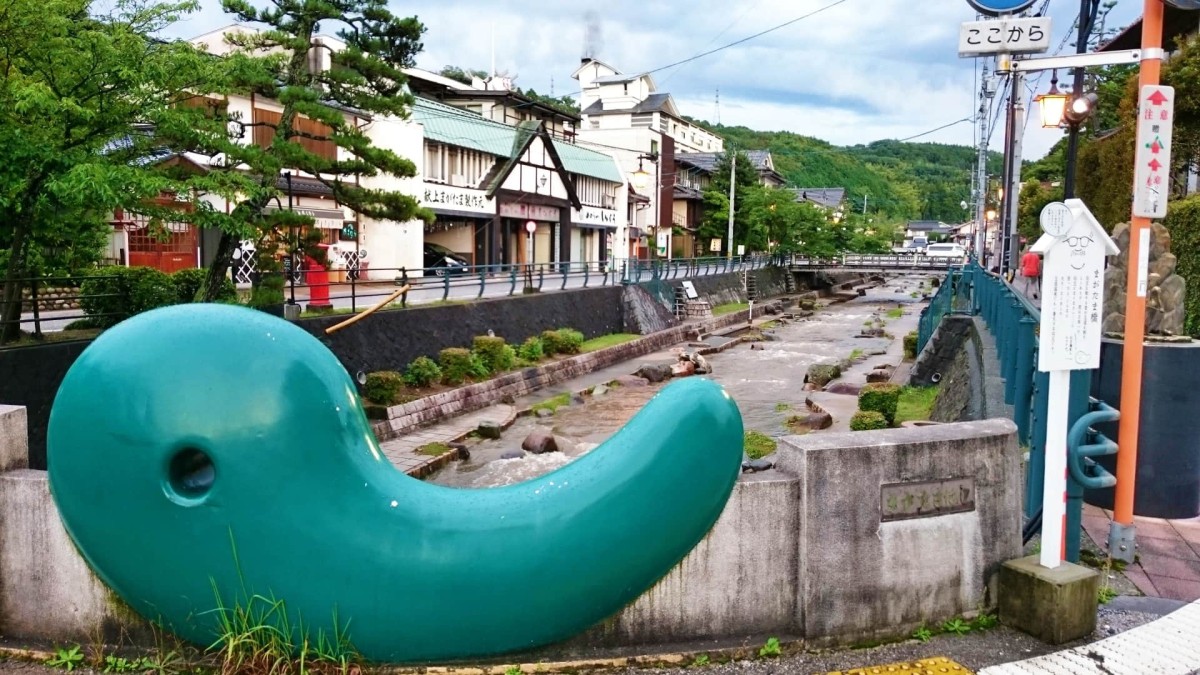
981	187
1085	29
866	196
732	199
1013	189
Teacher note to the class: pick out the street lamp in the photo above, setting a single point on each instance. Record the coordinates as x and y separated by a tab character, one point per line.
640	180
1053	105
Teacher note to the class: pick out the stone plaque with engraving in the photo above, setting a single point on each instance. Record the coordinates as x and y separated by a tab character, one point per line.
903	501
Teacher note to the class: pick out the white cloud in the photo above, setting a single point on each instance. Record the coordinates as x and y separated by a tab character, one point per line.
858	72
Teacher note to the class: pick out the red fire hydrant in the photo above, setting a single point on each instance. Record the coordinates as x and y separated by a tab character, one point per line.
318	285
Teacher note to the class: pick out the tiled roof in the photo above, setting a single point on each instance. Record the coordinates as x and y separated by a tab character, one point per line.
927	225
653	103
708	161
465	129
827	197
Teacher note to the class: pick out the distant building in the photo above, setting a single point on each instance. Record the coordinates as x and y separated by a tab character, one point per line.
693	175
830	199
627	116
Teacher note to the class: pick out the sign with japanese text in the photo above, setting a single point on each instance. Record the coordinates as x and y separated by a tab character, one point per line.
591	216
998	7
1073	292
457	199
524	211
903	501
714	246
1004	36
1152	165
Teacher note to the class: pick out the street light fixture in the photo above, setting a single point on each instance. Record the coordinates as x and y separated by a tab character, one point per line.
1053	105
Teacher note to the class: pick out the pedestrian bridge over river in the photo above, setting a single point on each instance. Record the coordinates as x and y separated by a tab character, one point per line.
876	263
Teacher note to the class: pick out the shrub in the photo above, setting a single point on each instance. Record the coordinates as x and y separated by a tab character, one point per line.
532	350
383	387
571	341
188	282
552	343
880	398
114	294
478	368
495	354
867	420
456	365
910	345
422	372
1183	222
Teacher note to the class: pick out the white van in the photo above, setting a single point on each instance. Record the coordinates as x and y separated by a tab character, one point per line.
945	251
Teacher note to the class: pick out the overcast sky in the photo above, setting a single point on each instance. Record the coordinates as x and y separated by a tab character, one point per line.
858	72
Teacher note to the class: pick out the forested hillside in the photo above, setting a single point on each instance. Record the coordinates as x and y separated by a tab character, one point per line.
900	180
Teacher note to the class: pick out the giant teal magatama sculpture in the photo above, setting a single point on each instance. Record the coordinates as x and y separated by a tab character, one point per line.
187	432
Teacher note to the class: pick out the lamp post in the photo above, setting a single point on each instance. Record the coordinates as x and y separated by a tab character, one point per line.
640	180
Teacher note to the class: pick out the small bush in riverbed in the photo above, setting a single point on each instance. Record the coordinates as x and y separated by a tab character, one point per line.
910	345
867	421
383	387
880	398
532	350
422	372
495	353
456	365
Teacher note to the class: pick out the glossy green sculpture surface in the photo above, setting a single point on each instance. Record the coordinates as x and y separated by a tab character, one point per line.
189	431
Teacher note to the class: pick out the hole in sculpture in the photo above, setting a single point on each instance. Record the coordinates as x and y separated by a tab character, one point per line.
191	473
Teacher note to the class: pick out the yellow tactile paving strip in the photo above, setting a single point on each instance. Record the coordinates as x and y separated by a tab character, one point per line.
935	666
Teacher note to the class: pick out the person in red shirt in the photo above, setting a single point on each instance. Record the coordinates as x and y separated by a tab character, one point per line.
1031	271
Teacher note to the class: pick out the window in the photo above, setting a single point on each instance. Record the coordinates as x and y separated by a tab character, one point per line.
456	166
595	192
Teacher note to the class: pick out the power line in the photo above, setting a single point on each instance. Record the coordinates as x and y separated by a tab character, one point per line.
725	30
748	38
944	126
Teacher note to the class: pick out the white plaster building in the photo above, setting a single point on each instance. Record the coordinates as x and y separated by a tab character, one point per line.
627	116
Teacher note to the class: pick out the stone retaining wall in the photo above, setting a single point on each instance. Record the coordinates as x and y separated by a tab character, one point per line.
409	416
50	298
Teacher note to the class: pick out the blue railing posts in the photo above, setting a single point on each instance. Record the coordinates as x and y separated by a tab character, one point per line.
482	281
566	269
1023	386
512	278
541	277
1035	468
587	273
445	287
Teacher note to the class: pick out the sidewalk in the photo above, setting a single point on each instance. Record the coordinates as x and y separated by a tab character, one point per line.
1168	553
402	452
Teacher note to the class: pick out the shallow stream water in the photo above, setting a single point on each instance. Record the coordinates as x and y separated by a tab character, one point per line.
766	381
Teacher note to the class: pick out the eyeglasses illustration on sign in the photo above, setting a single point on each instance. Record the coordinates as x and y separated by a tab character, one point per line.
1079	250
998	7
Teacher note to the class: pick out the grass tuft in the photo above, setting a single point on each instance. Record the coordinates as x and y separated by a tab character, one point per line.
606	341
758	445
915	404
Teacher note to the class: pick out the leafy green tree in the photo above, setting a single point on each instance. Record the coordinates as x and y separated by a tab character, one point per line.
1034	198
364	76
715	222
776	222
76	79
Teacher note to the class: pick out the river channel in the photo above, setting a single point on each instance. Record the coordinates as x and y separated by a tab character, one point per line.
766	379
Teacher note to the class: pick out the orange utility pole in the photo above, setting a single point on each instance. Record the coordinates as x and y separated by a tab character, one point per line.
1121	536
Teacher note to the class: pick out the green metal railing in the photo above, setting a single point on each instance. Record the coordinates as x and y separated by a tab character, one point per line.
1013	322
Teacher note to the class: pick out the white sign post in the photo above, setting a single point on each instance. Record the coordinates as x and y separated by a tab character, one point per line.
1074	248
1152	164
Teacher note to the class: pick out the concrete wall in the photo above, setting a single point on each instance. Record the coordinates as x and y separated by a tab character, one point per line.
799	551
14	432
863	578
741	580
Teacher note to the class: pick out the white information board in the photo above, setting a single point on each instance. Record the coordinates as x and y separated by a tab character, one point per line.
1073	293
690	289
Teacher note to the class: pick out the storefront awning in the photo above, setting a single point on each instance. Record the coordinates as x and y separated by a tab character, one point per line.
326	219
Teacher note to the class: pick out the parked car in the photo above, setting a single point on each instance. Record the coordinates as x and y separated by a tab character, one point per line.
443	261
945	251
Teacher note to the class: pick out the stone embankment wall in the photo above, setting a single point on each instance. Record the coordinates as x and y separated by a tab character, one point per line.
50	298
812	549
388	340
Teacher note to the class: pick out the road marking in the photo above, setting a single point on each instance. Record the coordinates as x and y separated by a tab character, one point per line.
1166	646
935	666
